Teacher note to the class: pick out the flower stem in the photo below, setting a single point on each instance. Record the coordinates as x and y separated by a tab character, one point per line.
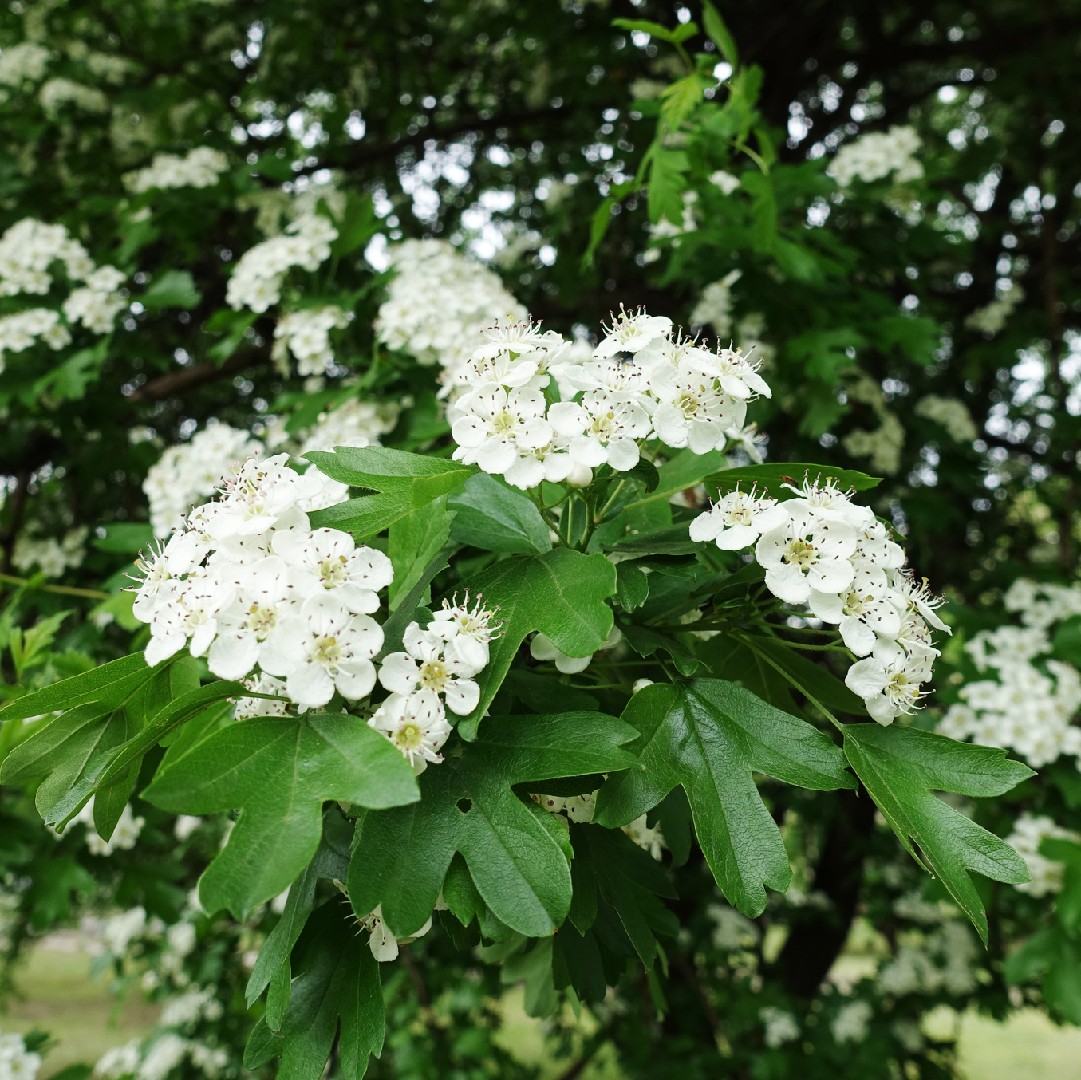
59	590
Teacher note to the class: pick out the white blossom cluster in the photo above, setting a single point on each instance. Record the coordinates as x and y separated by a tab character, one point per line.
199	168
877	154
248	583
883	444
98	302
157	1058
1029	700
821	550
25	329
47	555
991	318
851	1022
642	382
25	62
192	471
260	272
780	1026
1029	832
306	334
581	808
353	423
438	302
951	414
433	672
59	93
28	252
945	958
16	1062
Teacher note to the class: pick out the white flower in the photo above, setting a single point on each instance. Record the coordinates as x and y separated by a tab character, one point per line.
322	650
382	942
887	689
632	332
737	520
807	552
496	427
415	723
430	663
471	629
328	563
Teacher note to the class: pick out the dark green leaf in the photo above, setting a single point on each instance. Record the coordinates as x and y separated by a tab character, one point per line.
494	517
278	770
562	594
709	736
902	768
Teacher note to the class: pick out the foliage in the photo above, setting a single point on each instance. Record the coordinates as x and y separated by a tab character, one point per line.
644	783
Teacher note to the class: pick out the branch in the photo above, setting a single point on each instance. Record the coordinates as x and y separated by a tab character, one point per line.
176	382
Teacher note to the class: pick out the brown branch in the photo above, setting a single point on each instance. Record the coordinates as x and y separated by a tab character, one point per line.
176	382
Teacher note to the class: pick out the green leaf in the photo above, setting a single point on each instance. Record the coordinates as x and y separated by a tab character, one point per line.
632	586
413	542
402	482
814	682
173	289
901	768
517	863
110	682
708	736
337	991
684	470
630	881
492	516
562	594
719	33
278	770
274	955
667	183
770	477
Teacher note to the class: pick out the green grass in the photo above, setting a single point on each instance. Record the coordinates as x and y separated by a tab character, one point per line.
56	993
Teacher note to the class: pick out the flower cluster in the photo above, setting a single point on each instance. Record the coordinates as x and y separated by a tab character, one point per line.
1029	699
257	280
58	94
434	672
945	957
991	318
641	382
199	168
354	423
25	62
877	154
25	329
821	550
46	554
28	251
246	582
951	414
16	1062
192	471
306	334
97	304
438	302
1029	832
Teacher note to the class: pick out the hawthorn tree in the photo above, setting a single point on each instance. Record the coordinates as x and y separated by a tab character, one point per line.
587	653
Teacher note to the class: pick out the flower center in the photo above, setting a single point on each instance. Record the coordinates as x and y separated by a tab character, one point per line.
332	572
261	620
801	553
409	737
504	422
434	675
326	650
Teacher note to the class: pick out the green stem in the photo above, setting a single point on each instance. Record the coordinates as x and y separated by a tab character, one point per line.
749	642
59	590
